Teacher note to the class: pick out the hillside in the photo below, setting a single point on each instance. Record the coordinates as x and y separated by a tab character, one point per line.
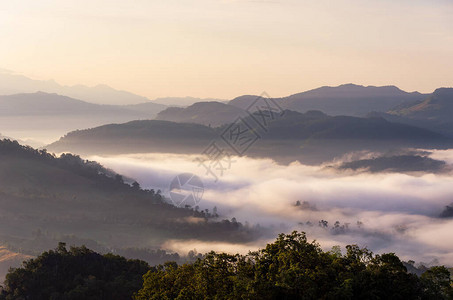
183	101
437	106
44	199
317	125
397	163
310	136
40	114
347	99
136	137
206	113
434	112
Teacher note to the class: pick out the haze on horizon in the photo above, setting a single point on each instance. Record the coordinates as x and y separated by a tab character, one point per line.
223	49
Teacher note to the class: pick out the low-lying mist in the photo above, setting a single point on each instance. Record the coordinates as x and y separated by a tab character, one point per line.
386	212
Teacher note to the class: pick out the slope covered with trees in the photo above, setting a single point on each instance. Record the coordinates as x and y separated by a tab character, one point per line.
312	137
45	199
77	273
289	268
293	268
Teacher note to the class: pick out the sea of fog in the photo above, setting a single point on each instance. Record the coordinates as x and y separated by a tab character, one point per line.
385	212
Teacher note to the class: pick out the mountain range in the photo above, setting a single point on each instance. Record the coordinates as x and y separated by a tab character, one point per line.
184	101
206	113
433	112
11	83
43	116
312	137
347	99
53	115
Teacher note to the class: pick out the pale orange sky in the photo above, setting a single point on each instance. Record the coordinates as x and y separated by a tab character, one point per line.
215	48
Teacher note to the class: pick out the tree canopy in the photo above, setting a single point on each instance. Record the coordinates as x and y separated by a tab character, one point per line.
77	273
293	268
289	268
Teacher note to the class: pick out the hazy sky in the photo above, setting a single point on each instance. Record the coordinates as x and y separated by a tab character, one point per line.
215	48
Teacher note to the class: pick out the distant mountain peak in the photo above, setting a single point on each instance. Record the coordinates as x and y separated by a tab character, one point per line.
315	114
12	83
444	91
183	101
437	108
347	99
207	113
440	96
43	93
349	90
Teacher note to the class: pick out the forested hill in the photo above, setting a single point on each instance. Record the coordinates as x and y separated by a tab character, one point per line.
136	136
44	198
312	136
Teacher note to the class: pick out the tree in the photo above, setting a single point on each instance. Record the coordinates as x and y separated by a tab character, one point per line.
437	283
77	273
136	185
293	268
119	178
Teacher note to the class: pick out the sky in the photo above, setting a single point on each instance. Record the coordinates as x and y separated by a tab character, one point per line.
223	49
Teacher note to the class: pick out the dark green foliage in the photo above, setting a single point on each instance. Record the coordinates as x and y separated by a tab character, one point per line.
289	268
77	273
292	268
437	283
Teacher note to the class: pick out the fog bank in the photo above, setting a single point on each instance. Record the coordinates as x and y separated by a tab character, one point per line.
386	212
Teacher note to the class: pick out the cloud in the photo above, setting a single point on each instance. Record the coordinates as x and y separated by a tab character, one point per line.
389	212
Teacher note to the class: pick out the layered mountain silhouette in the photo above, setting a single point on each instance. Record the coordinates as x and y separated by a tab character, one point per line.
11	83
136	137
437	106
434	112
347	99
54	115
293	136
183	101
41	103
206	113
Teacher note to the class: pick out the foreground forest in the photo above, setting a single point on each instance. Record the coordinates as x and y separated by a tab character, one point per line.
289	268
